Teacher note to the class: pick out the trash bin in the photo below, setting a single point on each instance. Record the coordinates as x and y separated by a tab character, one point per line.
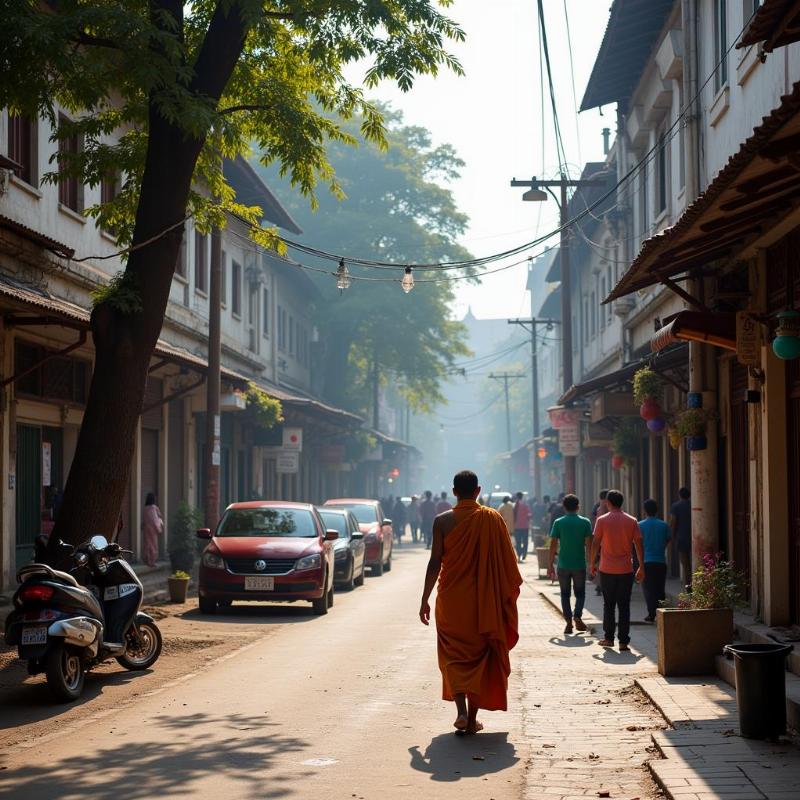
761	688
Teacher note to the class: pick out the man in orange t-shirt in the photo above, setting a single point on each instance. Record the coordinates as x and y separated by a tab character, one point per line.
615	535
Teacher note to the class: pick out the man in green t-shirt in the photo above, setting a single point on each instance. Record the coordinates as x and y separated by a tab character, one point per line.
571	537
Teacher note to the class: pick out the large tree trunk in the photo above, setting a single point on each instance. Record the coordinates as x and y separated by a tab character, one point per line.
124	342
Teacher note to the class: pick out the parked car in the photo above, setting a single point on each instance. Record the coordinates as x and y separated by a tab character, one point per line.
269	551
348	550
377	530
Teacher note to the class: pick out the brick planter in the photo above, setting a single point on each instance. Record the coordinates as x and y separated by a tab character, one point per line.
690	639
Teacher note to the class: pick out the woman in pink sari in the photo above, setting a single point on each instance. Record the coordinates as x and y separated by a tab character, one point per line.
153	526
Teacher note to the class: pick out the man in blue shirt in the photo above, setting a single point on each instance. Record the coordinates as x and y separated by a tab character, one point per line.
655	537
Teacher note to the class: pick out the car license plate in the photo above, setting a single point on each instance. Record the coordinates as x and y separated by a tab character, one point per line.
259	583
37	635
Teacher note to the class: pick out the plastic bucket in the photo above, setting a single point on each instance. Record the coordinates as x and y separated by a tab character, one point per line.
761	688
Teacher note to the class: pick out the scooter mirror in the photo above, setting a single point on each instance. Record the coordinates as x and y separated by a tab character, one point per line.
99	542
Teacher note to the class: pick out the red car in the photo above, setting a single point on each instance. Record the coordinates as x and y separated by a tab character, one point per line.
268	551
377	530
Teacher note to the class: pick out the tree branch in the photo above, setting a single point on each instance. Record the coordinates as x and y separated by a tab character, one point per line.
243	107
95	41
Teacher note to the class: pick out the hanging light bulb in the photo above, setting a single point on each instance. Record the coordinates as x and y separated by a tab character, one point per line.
342	277
408	281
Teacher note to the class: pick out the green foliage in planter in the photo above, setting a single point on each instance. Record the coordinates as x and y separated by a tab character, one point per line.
627	438
646	383
717	584
266	410
693	421
183	544
121	293
180	575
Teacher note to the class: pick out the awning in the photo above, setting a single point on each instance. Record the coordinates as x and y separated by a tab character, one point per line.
753	201
776	23
676	357
305	403
697	326
632	31
37	238
57	311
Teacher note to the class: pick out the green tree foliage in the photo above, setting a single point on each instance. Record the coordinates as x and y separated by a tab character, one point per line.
395	207
185	84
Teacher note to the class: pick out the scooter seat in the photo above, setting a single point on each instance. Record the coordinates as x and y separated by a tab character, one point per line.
31	570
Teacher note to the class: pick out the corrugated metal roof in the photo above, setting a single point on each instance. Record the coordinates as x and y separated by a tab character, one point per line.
776	23
631	34
37	238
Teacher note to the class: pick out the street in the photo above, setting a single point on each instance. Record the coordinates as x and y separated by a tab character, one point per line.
343	706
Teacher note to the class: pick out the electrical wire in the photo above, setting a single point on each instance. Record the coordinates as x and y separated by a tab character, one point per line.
572	77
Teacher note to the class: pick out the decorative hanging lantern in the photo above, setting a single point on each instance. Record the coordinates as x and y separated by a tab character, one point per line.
617	462
656	425
408	281
343	279
786	344
650	409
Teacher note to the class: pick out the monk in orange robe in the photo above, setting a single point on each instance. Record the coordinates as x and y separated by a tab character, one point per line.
476	603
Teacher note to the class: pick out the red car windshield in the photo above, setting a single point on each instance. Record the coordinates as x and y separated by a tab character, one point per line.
295	522
364	514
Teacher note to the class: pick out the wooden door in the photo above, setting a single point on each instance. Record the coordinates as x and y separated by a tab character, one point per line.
28	491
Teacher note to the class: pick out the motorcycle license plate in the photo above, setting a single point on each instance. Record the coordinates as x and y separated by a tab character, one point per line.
259	583
37	635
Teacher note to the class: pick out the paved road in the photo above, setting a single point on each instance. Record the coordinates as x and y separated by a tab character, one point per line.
344	706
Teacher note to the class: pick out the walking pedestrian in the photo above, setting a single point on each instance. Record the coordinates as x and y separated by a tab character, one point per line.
398	519
571	538
507	513
442	505
522	521
680	522
427	512
153	527
616	534
555	511
539	512
413	518
476	604
655	537
599	508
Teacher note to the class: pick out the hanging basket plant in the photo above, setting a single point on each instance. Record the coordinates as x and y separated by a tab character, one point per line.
647	385
627	440
674	437
692	425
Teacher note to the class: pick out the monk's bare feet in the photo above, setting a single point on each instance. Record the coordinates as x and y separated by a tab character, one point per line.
474	727
461	722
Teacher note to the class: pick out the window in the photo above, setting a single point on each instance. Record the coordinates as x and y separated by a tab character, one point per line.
593	308
681	140
281	328
720	44
644	204
180	266
69	189
603	295
200	262
236	289
223	279
109	189
21	146
750	8
662	172
265	315
585	320
252	304
61	379
291	334
610	286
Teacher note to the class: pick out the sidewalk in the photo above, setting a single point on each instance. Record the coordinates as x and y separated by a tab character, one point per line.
703	757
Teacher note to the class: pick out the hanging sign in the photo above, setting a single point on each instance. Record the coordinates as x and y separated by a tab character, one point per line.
748	340
293	440
563	417
569	440
287	463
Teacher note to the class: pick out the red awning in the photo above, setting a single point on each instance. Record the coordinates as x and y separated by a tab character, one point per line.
718	329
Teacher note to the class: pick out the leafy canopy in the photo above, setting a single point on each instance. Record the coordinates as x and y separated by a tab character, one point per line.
111	65
395	208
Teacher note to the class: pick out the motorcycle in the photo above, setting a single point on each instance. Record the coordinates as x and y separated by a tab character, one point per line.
67	621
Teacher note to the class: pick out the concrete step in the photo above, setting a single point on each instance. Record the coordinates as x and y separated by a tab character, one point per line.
750	632
727	671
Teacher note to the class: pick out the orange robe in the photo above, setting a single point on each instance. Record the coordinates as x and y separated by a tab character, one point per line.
476	607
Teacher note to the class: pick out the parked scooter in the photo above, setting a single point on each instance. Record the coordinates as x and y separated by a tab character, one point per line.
66	622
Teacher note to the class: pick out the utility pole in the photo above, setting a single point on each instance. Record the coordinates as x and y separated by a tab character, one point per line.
506	377
524	323
212	453
535	193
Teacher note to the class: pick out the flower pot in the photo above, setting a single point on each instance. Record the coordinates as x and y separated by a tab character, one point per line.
543	559
696	442
650	409
617	462
178	589
689	640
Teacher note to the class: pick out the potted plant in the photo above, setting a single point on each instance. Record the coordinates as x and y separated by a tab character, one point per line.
183	538
692	424
178	584
647	388
626	442
691	636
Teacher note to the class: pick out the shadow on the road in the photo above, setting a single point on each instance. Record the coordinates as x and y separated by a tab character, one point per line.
207	747
572	641
610	656
450	758
32	701
248	612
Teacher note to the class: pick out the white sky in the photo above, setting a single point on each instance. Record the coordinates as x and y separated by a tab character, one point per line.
493	118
